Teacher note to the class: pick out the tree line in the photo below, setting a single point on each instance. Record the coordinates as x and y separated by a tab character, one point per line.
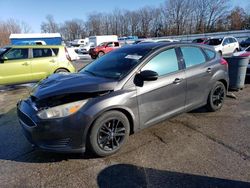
173	17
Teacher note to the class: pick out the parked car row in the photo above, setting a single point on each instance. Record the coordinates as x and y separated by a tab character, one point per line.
224	46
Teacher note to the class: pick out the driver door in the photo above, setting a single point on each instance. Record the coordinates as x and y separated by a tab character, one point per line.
166	96
15	67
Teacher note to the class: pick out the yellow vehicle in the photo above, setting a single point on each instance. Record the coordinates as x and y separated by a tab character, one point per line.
23	64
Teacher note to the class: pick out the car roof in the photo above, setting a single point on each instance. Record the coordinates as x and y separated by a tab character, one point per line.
34	46
158	45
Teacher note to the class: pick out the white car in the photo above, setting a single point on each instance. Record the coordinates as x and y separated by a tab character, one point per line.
224	46
85	48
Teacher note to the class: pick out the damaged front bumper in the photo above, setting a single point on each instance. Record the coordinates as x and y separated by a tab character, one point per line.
66	134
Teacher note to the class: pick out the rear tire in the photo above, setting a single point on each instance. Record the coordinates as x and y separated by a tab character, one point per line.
109	133
61	71
216	97
100	54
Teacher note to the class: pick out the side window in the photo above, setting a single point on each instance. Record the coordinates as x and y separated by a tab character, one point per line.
210	54
226	41
16	53
116	44
232	40
192	56
42	52
163	63
110	44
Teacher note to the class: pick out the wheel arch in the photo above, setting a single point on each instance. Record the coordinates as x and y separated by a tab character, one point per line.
224	83
61	68
122	110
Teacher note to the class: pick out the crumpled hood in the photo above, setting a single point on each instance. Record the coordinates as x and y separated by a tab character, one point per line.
59	84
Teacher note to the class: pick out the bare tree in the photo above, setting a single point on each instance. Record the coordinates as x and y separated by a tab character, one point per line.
238	19
11	26
49	26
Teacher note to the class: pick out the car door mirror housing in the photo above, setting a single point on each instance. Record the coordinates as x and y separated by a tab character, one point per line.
148	75
2	59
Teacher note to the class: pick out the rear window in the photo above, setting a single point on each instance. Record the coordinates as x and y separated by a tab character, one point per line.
192	56
214	42
42	52
210	54
55	50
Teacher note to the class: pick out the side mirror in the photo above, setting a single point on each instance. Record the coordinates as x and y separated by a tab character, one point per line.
2	59
148	75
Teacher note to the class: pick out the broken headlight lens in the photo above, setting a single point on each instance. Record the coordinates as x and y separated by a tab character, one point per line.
62	110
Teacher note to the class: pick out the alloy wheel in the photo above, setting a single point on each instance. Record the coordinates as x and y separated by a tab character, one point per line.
218	96
111	134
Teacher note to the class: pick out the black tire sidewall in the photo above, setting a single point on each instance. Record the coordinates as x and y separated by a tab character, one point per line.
61	71
210	105
93	143
100	54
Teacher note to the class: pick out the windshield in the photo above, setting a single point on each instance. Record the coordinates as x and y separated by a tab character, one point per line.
102	44
214	42
247	49
116	64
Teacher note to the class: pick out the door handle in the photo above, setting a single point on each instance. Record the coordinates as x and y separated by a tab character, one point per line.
209	70
177	80
52	61
25	63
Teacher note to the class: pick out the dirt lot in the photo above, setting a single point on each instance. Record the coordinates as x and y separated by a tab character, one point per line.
196	149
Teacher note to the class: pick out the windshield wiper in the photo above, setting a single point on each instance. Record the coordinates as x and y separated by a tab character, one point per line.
90	72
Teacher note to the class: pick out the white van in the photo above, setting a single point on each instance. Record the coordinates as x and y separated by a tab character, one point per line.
96	40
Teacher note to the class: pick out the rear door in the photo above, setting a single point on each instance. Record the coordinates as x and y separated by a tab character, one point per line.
164	97
43	63
109	47
15	66
227	47
198	74
233	44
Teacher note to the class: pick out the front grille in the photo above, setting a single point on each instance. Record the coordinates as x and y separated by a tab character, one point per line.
57	143
25	119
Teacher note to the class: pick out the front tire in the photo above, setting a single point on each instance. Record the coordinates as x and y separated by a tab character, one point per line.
109	133
216	97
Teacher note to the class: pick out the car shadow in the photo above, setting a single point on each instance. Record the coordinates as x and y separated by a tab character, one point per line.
126	175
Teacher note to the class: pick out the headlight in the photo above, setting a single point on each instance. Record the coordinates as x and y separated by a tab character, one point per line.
62	110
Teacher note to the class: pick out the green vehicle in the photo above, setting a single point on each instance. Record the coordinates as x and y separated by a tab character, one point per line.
24	64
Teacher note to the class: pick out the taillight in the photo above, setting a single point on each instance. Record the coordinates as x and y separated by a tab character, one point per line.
223	62
245	54
67	54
